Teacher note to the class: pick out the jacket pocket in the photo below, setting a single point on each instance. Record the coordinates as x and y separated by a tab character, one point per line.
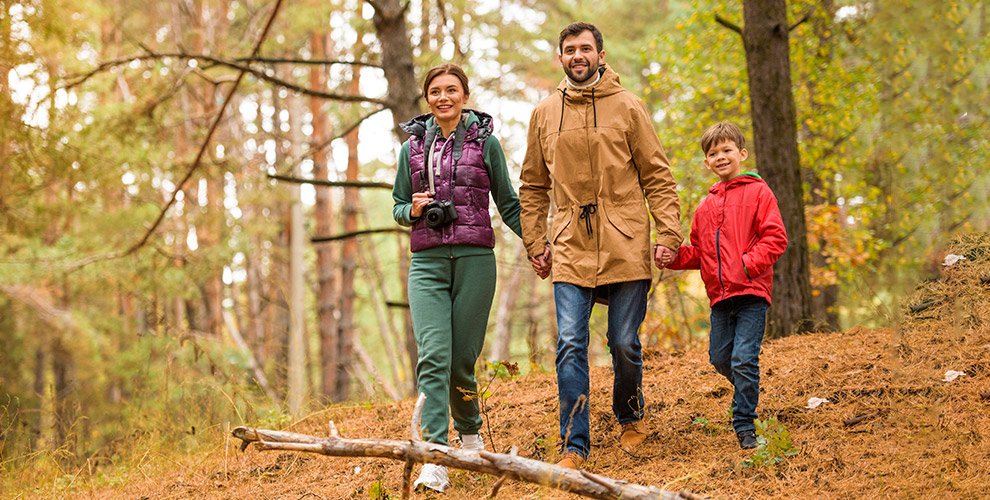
621	215
561	220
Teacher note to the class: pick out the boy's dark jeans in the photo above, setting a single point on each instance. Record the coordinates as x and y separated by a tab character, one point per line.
734	350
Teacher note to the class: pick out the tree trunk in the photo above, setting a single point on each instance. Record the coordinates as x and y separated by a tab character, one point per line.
297	309
825	297
342	378
765	38
327	296
397	61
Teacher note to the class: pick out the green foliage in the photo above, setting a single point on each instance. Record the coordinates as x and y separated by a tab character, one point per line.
504	370
710	427
378	491
773	444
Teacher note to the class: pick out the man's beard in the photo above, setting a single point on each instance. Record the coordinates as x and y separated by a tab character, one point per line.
589	73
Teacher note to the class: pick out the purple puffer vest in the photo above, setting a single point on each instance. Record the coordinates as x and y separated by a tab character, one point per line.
471	184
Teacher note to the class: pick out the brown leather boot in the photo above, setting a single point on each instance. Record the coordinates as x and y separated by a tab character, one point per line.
571	460
633	435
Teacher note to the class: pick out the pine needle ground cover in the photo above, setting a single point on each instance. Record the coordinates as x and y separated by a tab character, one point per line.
900	421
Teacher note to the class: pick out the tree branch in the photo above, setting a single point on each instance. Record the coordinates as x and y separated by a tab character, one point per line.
352	234
261	75
320	182
277	60
728	24
496	464
799	23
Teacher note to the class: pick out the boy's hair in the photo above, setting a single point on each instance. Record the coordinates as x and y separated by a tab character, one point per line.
722	131
445	69
577	28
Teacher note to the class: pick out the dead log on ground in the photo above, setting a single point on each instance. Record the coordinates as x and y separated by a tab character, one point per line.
501	465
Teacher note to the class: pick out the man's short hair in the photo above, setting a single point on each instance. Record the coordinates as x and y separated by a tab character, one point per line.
722	131
577	28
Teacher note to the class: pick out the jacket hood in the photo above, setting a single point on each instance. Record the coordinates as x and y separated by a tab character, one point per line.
420	125
607	85
739	180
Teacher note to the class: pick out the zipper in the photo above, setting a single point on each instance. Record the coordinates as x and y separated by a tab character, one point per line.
718	253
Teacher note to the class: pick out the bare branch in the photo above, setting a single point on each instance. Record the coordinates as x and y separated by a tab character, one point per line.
799	23
311	62
261	75
320	182
352	234
496	464
728	24
414	423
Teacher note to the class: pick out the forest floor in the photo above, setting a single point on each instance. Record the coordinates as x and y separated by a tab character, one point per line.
918	436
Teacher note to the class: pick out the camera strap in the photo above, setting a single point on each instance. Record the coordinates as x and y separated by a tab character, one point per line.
458	136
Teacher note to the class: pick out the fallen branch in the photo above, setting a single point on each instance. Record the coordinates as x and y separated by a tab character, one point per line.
855	420
414	450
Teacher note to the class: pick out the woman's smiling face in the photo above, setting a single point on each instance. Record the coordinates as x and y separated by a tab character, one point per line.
446	97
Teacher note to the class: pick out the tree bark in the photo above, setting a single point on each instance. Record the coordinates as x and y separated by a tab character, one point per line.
397	61
345	339
327	296
765	38
509	466
297	310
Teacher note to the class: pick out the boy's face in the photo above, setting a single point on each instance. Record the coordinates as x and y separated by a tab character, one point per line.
725	159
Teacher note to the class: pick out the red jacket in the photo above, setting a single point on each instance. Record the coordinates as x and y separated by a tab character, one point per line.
736	236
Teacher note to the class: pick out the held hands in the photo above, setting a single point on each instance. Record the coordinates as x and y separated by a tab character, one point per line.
663	256
543	263
420	200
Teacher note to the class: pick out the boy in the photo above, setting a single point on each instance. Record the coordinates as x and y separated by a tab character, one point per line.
736	236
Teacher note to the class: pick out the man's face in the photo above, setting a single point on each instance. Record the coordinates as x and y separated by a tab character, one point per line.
580	58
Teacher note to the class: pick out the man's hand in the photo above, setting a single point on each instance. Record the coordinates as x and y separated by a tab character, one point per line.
663	256
543	263
419	200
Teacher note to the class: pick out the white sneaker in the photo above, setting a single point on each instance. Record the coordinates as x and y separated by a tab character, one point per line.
433	477
472	442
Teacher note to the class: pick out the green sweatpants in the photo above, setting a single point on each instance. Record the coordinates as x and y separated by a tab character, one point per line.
450	297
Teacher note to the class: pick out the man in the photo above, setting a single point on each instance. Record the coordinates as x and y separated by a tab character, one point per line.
592	142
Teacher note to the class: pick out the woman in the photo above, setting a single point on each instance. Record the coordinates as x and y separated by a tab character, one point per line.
447	169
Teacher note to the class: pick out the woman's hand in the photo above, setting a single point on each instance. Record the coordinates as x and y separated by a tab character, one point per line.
420	200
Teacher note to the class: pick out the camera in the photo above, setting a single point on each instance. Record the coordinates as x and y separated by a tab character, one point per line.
438	213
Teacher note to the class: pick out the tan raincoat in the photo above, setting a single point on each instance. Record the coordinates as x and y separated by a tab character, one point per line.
597	150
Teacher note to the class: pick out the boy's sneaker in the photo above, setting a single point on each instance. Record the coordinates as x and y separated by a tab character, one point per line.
472	442
747	439
433	477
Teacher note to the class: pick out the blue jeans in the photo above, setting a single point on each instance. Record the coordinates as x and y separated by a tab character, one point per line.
626	310
734	350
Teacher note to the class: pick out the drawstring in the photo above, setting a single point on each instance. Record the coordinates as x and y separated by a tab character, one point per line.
593	108
563	94
586	212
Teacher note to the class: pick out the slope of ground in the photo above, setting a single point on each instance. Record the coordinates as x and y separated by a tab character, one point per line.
916	435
